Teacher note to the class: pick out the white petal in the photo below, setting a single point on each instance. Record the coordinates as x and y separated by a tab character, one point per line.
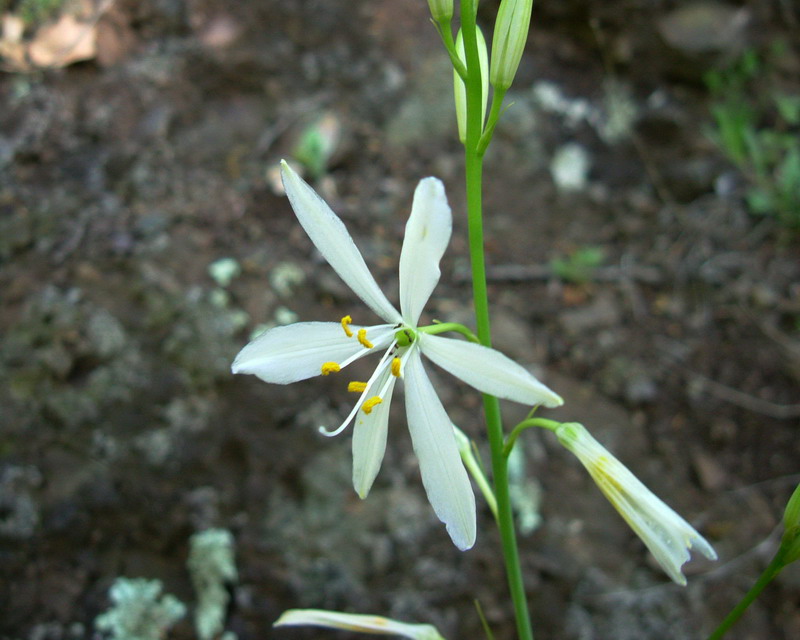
330	236
443	474
357	622
487	370
369	437
297	351
427	234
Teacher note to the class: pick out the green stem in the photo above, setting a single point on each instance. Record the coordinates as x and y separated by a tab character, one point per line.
491	406
530	422
449	44
443	327
772	570
491	122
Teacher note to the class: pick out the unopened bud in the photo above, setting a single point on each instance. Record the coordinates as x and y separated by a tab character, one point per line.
791	517
441	10
791	529
508	42
461	90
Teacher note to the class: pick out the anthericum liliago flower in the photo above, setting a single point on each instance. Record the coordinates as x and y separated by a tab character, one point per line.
668	536
306	349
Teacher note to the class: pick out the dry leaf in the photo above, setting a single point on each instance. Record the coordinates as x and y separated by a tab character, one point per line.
62	43
11	46
71	38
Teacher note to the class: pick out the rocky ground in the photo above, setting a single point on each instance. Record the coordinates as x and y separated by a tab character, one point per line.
124	177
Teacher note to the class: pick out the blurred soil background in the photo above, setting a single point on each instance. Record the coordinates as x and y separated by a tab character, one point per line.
633	263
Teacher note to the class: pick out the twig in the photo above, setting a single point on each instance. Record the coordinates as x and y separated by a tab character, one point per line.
527	273
734	396
746	401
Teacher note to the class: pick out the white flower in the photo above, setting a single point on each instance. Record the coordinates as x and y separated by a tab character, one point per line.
668	536
357	622
299	351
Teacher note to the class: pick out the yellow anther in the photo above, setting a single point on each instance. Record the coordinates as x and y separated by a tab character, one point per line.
369	404
362	338
396	367
357	387
330	367
345	322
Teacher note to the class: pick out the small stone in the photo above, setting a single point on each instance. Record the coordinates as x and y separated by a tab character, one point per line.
711	474
219	298
640	388
151	224
283	315
224	270
705	26
106	334
570	167
285	277
602	312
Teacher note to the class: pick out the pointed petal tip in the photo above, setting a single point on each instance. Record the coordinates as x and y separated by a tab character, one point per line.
464	544
554	401
432	182
236	365
704	547
287	173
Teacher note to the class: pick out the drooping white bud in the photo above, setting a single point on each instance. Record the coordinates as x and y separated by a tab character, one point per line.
668	536
461	90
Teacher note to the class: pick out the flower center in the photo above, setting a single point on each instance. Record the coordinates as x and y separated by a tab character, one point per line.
405	336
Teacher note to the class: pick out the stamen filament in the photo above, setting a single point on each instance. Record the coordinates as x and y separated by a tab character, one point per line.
379	370
330	367
347	320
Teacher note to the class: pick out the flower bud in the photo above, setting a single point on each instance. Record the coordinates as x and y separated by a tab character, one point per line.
461	90
791	529
791	517
441	10
668	536
508	42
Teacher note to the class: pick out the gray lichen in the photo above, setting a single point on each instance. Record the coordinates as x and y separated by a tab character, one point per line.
212	566
20	513
140	611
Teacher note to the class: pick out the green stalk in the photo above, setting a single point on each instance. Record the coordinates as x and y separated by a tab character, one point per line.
491	406
544	423
772	570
